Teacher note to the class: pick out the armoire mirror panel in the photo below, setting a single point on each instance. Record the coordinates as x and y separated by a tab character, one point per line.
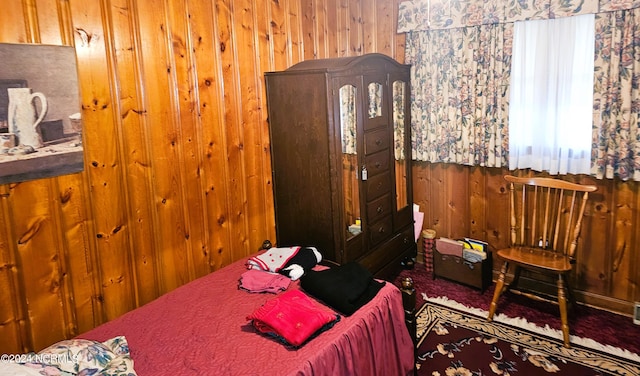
375	99
348	131
400	158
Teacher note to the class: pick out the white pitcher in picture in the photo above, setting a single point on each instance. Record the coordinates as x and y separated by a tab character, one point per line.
22	116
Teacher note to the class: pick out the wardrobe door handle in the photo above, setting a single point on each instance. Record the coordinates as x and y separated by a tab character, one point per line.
379	209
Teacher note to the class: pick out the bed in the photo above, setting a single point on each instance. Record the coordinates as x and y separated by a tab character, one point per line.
201	328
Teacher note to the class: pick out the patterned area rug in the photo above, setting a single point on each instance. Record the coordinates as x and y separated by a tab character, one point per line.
457	340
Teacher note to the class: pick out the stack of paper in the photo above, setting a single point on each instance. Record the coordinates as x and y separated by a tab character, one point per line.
474	250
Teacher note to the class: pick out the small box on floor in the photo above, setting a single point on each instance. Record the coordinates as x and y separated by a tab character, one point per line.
464	261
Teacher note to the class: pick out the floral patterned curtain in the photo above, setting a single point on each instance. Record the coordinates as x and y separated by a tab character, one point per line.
616	117
398	120
460	80
453	110
421	15
348	118
375	99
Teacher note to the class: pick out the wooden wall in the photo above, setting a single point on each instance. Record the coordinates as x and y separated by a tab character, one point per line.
177	179
461	201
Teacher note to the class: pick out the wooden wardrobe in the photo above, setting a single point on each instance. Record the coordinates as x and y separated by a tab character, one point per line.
340	144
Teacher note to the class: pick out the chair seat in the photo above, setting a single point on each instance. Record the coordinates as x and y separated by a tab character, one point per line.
536	258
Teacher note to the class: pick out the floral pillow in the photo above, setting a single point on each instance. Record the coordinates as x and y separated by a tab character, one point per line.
81	357
17	369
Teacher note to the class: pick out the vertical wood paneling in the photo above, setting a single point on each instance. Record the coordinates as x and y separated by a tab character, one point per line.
386	15
342	28
48	25
12	27
110	229
295	32
35	231
334	43
12	317
110	55
623	237
437	209
606	270
422	193
457	205
278	33
187	140
132	129
195	234
477	208
264	35
253	128
30	10
233	127
594	269
162	114
177	179
310	37
369	22
322	30
65	22
354	27
80	261
14	325
496	200
39	251
248	75
211	106
264	64
172	204
399	43
80	280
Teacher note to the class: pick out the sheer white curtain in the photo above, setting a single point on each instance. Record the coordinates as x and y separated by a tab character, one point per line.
551	95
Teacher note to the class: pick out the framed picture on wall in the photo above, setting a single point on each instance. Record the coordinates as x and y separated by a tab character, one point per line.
40	122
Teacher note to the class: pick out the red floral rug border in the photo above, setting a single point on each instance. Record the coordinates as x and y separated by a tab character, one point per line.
524	339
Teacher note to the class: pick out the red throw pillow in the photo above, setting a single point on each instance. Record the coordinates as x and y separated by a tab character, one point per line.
293	318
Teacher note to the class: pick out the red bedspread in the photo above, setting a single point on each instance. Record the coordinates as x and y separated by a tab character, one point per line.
201	329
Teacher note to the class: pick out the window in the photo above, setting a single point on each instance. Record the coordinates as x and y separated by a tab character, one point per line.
551	95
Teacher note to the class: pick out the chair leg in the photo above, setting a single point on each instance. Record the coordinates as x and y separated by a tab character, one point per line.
562	303
498	291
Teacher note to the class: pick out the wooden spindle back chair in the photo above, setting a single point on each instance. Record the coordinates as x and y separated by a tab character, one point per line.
546	217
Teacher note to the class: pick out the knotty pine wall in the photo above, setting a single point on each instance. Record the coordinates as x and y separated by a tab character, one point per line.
177	179
464	201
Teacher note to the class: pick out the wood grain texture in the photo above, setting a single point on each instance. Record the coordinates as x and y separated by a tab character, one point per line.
606	272
177	178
